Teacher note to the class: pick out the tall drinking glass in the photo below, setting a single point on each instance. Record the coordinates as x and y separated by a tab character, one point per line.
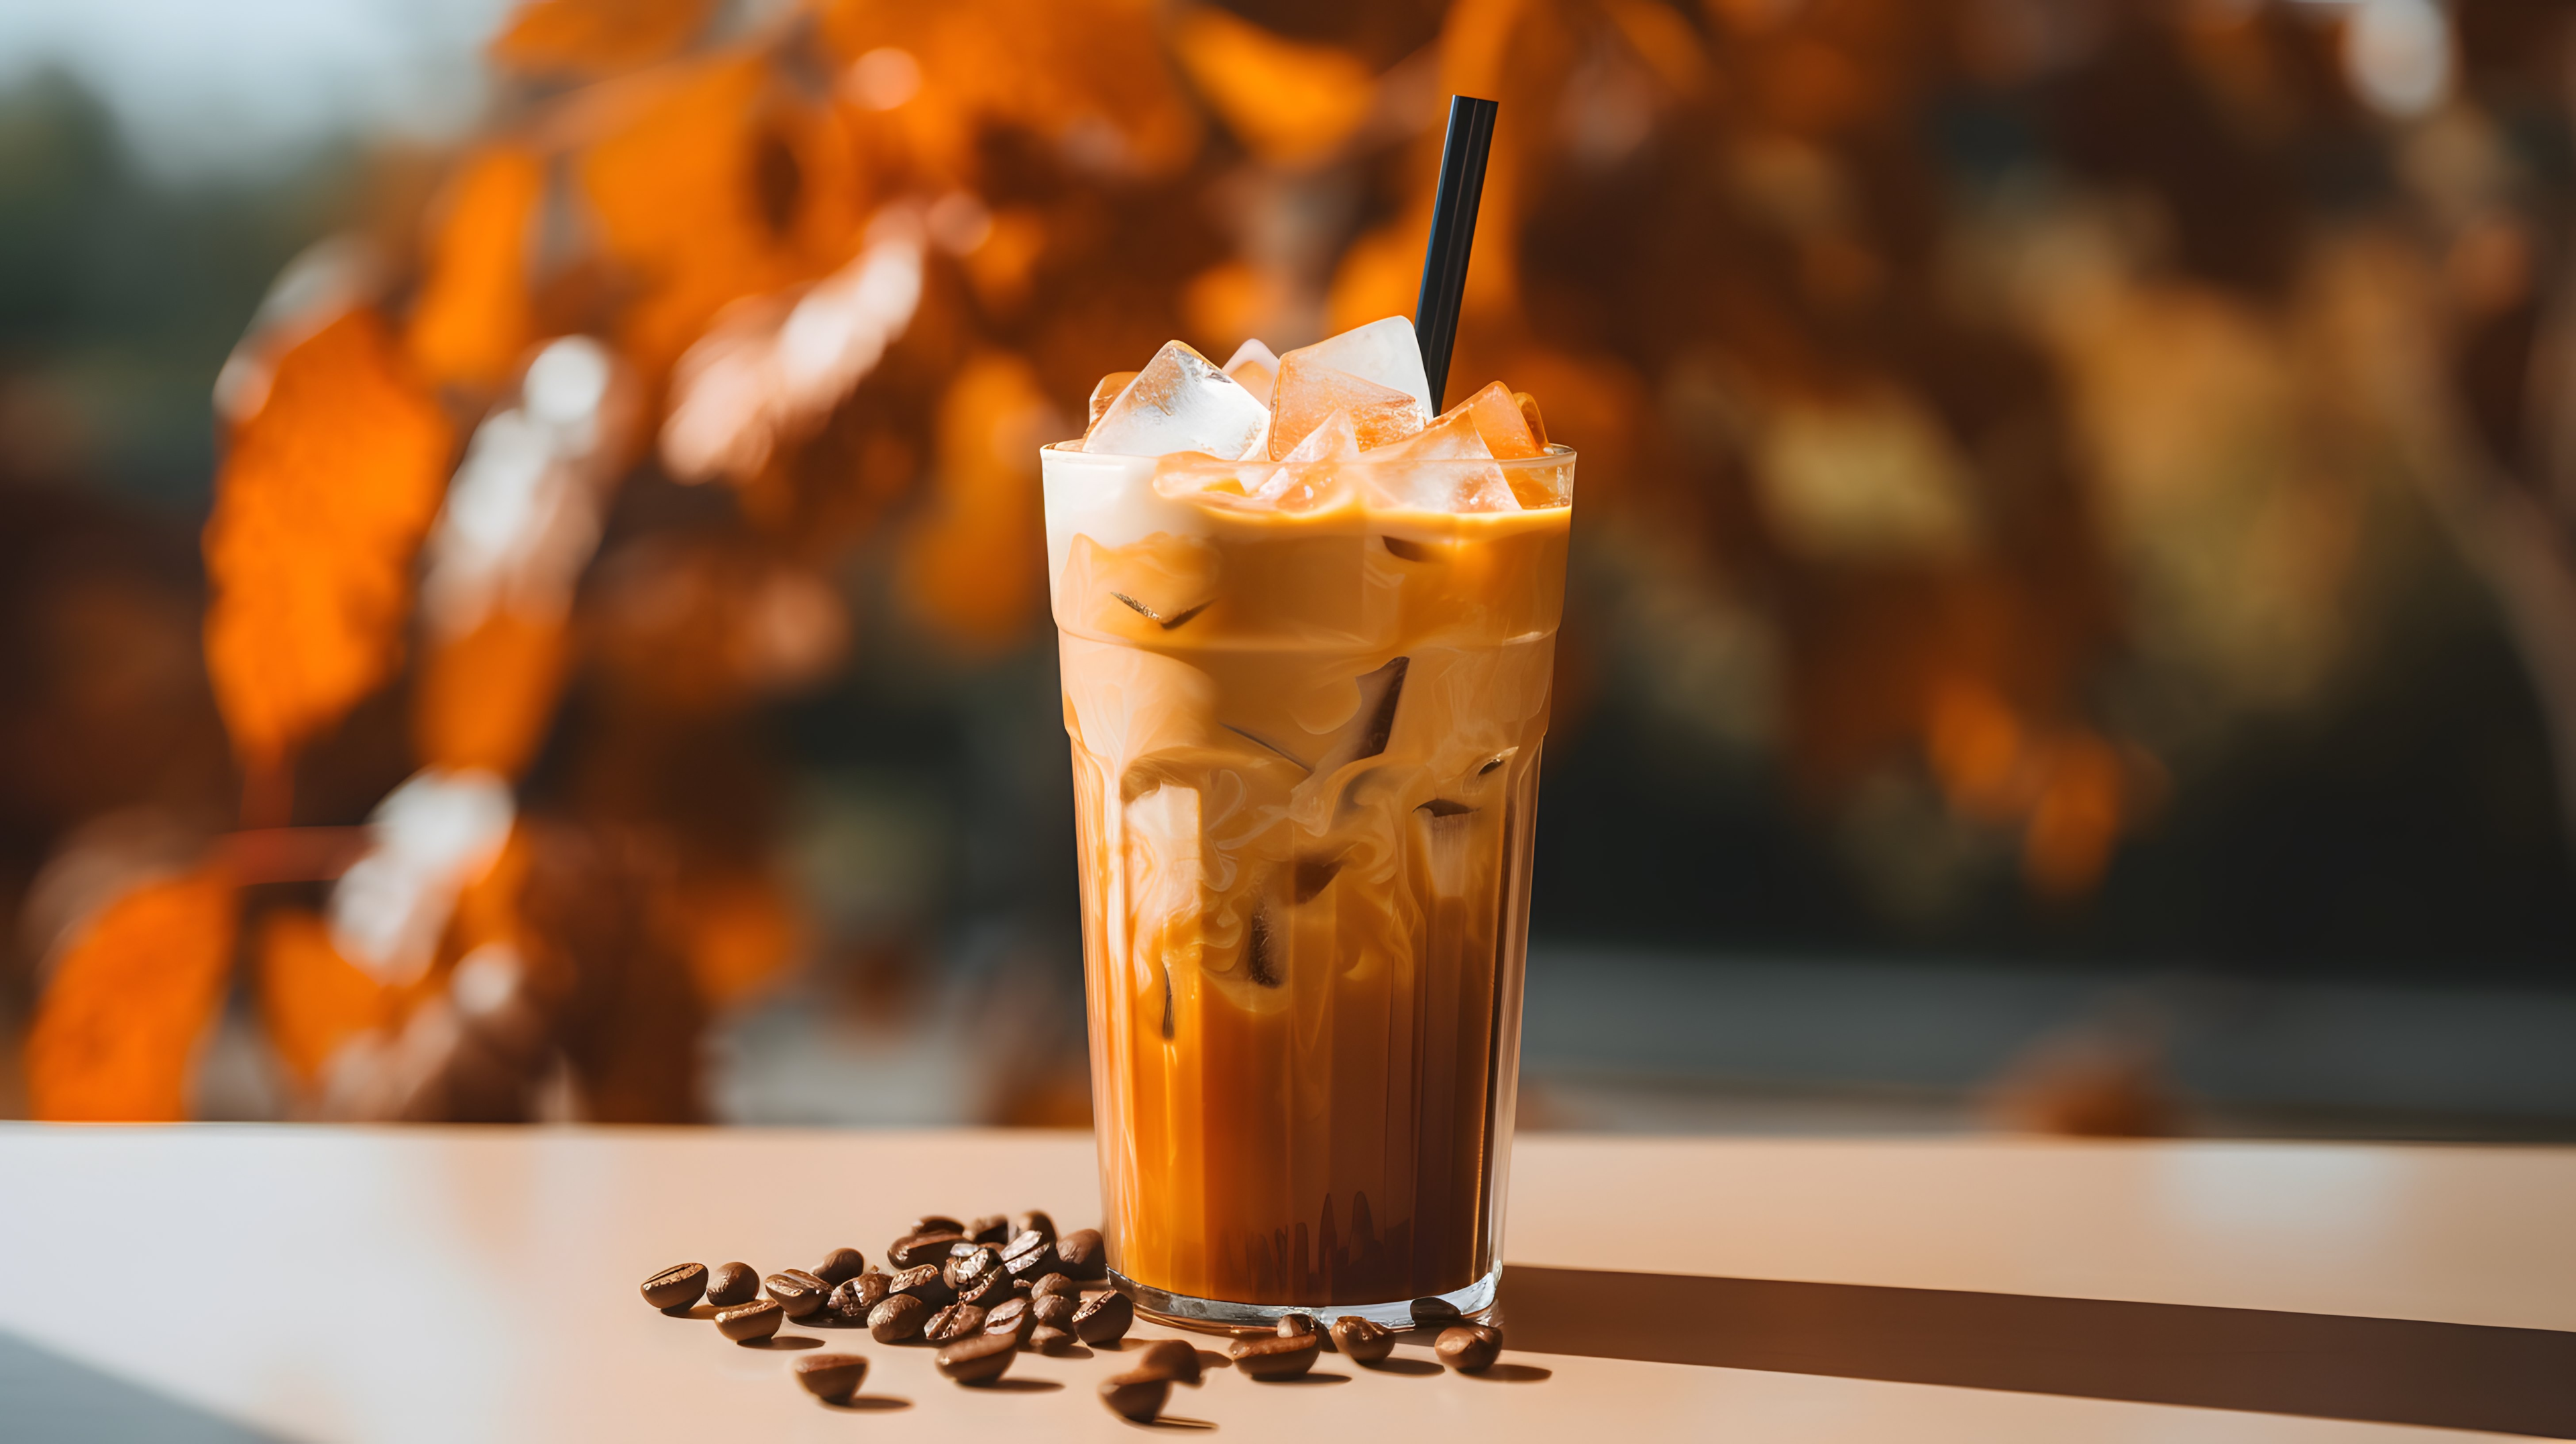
1306	715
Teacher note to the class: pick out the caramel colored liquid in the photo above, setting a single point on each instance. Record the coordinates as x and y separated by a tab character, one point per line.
1305	756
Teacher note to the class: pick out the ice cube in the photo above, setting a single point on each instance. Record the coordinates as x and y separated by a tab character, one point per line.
1164	870
1529	414
1298	485
1445	467
1452	438
1385	352
1252	486
1255	367
1375	371
1451	843
1371	725
1262	954
1180	402
1336	439
1313	875
1498	419
1309	393
1106	392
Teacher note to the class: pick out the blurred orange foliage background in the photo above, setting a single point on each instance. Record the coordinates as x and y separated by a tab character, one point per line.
566	457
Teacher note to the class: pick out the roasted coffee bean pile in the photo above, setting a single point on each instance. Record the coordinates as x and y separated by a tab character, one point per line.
982	1291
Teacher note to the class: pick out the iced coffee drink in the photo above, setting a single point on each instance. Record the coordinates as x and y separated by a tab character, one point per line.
1307	629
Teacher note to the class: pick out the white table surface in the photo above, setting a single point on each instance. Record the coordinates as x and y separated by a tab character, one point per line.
455	1284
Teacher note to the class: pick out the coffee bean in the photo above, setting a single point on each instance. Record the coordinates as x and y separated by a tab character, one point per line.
1036	1221
732	1283
1011	1316
1139	1397
832	1378
937	1223
1275	1356
1052	1341
851	1299
1296	1326
1434	1313
1055	1309
1058	1283
964	1270
923	1283
841	1264
1363	1342
899	1318
980	1359
1104	1318
1031	1256
915	1249
755	1320
797	1291
1173	1359
676	1287
992	1228
1028	1243
1081	1254
993	1288
1469	1347
953	1322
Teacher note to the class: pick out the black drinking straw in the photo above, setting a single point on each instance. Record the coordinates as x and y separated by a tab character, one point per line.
1453	230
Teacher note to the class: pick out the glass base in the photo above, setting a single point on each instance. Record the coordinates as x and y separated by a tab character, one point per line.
1220	1316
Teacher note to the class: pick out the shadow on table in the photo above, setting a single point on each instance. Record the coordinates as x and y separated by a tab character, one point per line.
2392	1371
46	1398
870	1404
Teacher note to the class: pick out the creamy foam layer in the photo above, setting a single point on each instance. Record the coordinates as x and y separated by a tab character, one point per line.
1118	500
1305	747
